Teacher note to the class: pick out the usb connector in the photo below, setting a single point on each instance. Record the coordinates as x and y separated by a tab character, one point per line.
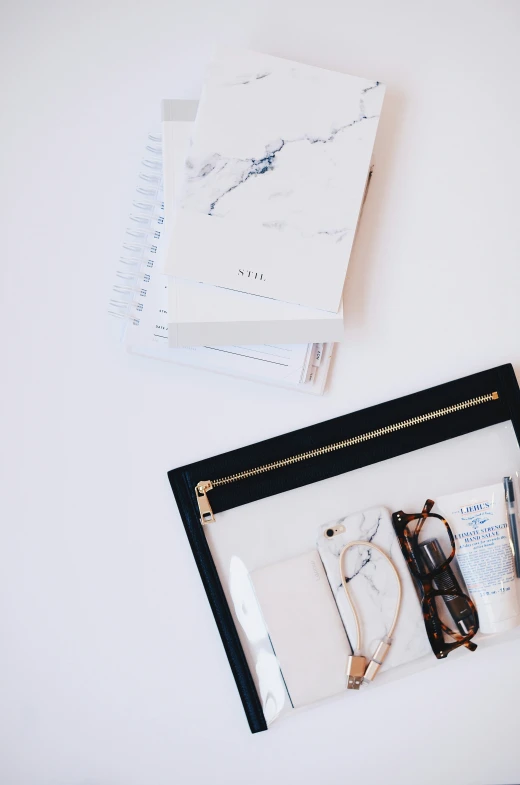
376	661
358	671
356	667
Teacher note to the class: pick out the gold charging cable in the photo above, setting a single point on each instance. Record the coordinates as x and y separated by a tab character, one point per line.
357	669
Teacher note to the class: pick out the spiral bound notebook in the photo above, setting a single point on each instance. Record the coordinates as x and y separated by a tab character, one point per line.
141	301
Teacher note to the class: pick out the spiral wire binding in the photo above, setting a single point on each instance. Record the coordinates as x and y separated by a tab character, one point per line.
140	245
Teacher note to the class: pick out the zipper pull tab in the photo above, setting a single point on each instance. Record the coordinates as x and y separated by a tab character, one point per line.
206	513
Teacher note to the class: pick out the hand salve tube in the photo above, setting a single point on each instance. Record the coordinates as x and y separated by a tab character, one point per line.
478	520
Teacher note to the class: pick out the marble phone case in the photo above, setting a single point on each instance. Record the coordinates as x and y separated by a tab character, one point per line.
373	586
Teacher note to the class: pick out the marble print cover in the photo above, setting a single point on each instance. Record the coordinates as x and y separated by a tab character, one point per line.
373	586
275	179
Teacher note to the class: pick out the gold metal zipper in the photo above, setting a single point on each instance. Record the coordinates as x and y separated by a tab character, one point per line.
202	488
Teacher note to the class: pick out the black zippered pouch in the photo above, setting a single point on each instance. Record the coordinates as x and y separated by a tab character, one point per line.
268	503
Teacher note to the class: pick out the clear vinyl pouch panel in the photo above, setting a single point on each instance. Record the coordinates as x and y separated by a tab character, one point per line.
278	559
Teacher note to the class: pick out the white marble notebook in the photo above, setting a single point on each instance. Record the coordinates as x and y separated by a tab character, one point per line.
275	178
200	314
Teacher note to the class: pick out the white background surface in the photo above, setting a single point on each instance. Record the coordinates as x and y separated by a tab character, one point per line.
111	669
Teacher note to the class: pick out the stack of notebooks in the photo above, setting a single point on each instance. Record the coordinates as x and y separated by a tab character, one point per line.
244	220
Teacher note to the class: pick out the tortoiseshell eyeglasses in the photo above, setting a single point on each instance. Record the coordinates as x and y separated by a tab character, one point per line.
434	579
